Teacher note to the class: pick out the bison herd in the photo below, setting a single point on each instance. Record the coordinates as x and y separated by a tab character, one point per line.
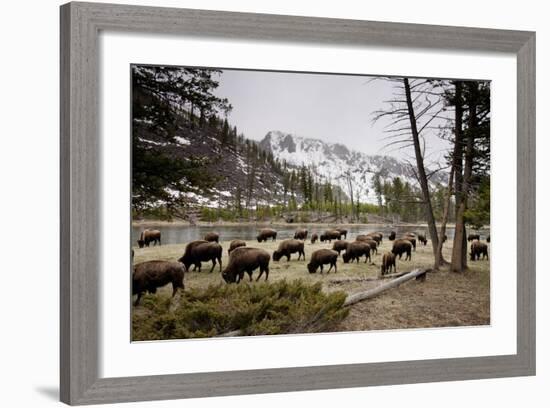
150	275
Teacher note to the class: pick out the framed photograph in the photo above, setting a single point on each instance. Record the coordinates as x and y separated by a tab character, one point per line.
262	189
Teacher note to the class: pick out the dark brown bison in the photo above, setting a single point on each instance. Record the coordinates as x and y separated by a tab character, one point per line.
391	237
189	248
300	234
202	252
478	250
409	234
314	238
236	243
377	236
212	237
343	232
402	246
322	257
330	235
388	263
422	238
340	246
473	237
147	236
246	259
356	250
150	275
411	239
288	247
265	234
369	240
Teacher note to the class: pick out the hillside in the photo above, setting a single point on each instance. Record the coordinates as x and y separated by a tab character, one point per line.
333	162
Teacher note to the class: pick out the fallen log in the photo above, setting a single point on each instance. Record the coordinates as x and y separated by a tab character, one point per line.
369	279
419	274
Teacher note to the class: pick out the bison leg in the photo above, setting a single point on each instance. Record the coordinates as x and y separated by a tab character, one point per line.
249	275
138	298
335	269
213	265
288	258
329	269
220	262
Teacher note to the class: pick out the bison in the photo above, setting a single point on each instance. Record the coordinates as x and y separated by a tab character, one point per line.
422	238
478	250
330	235
377	236
288	247
340	246
388	262
322	257
246	259
473	237
300	234
265	234
343	232
314	238
147	236
391	237
356	250
201	252
368	239
212	237
411	239
402	246
236	243
150	275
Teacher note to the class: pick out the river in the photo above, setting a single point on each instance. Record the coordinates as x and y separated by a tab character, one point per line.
178	233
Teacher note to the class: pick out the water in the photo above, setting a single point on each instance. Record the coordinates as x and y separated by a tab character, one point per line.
179	234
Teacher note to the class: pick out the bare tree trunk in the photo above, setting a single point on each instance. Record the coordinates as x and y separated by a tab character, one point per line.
459	261
439	260
421	170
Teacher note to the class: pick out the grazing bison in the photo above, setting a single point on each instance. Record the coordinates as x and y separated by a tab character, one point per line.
150	275
212	237
330	235
246	259
314	238
300	234
478	250
265	234
402	246
288	247
388	262
412	240
340	246
189	248
391	237
202	252
422	238
368	239
343	232
236	243
322	257
377	236
147	236
473	237
356	250
488	238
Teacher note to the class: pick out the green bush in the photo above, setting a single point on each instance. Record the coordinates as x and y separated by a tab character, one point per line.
254	309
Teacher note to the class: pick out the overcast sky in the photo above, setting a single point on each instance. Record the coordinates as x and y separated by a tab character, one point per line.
333	108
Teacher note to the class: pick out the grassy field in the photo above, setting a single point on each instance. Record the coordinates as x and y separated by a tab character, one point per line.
445	299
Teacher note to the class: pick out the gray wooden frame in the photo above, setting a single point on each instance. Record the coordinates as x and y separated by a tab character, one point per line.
80	26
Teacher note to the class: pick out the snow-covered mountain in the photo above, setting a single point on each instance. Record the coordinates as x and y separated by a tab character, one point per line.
335	163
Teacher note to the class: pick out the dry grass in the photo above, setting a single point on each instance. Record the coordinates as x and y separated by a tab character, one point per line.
445	299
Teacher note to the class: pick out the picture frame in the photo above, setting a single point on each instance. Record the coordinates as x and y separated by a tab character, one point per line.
81	24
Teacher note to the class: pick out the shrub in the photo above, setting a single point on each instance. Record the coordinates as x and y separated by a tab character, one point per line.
256	309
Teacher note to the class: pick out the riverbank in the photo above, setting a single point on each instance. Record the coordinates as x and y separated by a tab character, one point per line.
445	299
